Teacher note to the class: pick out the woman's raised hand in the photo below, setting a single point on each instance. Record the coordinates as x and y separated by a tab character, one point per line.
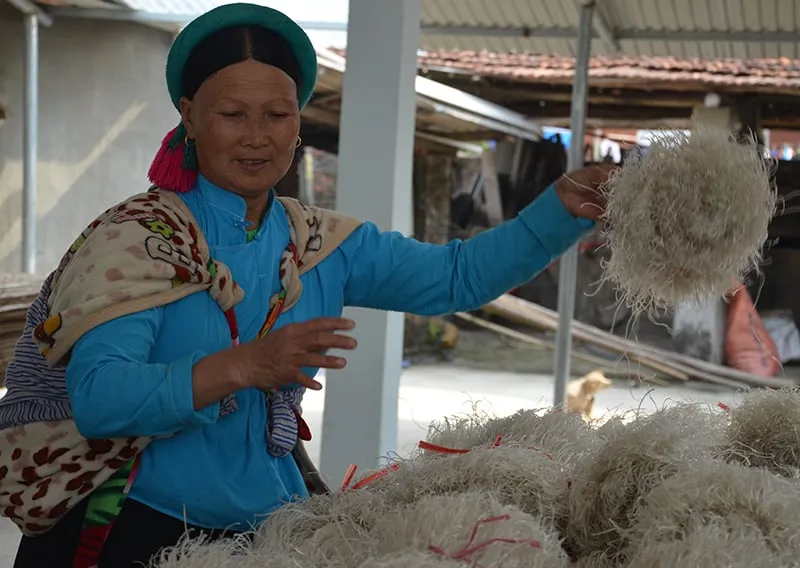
277	358
580	192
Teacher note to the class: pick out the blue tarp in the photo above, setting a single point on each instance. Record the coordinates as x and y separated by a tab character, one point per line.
549	132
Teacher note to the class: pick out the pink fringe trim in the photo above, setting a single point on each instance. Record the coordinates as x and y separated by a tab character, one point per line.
167	170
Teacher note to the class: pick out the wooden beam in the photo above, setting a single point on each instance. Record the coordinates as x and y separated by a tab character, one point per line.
627	123
510	94
474	136
559	110
428	146
320	115
781	123
640	84
326	99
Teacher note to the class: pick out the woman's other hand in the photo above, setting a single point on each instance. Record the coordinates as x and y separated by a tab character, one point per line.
278	358
580	193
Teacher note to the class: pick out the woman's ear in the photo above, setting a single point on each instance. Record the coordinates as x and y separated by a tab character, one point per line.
187	116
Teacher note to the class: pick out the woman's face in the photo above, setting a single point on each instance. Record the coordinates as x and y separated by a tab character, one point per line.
244	121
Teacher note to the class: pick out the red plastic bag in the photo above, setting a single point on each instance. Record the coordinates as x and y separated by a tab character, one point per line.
748	346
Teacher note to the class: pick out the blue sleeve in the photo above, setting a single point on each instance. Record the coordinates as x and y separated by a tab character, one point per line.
388	271
116	392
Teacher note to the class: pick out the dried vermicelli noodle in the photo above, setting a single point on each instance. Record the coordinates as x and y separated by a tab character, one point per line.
199	552
599	559
293	525
668	489
474	528
710	546
764	431
609	485
562	435
338	544
412	557
611	428
470	430
734	498
517	475
687	218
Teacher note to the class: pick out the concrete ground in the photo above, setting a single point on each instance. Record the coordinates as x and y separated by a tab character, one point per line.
430	392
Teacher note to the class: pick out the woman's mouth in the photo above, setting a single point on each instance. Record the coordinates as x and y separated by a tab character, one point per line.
252	165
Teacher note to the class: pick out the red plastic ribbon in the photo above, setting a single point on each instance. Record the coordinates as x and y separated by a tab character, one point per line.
351	472
468	550
376	476
428	447
348	476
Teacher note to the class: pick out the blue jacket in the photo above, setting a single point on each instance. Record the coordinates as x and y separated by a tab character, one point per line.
133	376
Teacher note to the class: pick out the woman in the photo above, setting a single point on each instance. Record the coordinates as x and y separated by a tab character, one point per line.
159	378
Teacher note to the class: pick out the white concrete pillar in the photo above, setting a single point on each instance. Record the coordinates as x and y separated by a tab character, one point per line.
376	143
717	116
699	329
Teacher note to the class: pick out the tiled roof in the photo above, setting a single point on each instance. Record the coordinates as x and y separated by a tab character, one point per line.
781	74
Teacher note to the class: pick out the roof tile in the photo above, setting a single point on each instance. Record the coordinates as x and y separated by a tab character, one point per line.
781	72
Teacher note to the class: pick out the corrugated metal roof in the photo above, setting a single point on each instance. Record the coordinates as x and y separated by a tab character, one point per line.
644	27
80	3
322	10
544	14
547	18
172	6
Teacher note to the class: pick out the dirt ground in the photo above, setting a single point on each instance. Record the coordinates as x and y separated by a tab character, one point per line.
486	350
481	349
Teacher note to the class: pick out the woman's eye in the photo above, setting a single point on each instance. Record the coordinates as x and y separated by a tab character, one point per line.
279	114
232	114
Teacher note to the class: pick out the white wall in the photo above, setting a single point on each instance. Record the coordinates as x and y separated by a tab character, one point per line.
103	109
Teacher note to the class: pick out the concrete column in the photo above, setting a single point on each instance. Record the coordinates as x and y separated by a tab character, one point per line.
698	330
719	116
31	143
375	182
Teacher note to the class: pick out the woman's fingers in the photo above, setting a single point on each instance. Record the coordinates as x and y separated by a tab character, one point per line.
326	325
324	340
305	381
305	345
321	361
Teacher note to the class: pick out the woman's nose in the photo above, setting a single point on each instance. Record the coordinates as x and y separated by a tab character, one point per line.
256	132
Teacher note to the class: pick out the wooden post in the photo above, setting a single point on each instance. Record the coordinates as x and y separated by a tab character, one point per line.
748	114
433	190
289	186
491	189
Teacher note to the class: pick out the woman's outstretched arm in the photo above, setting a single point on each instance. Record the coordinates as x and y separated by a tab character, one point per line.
388	271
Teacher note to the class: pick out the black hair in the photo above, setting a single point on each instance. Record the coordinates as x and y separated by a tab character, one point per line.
229	46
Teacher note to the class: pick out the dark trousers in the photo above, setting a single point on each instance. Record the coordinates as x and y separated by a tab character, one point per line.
139	532
138	535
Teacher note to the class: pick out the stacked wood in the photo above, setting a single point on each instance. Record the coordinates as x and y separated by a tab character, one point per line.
660	361
17	291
